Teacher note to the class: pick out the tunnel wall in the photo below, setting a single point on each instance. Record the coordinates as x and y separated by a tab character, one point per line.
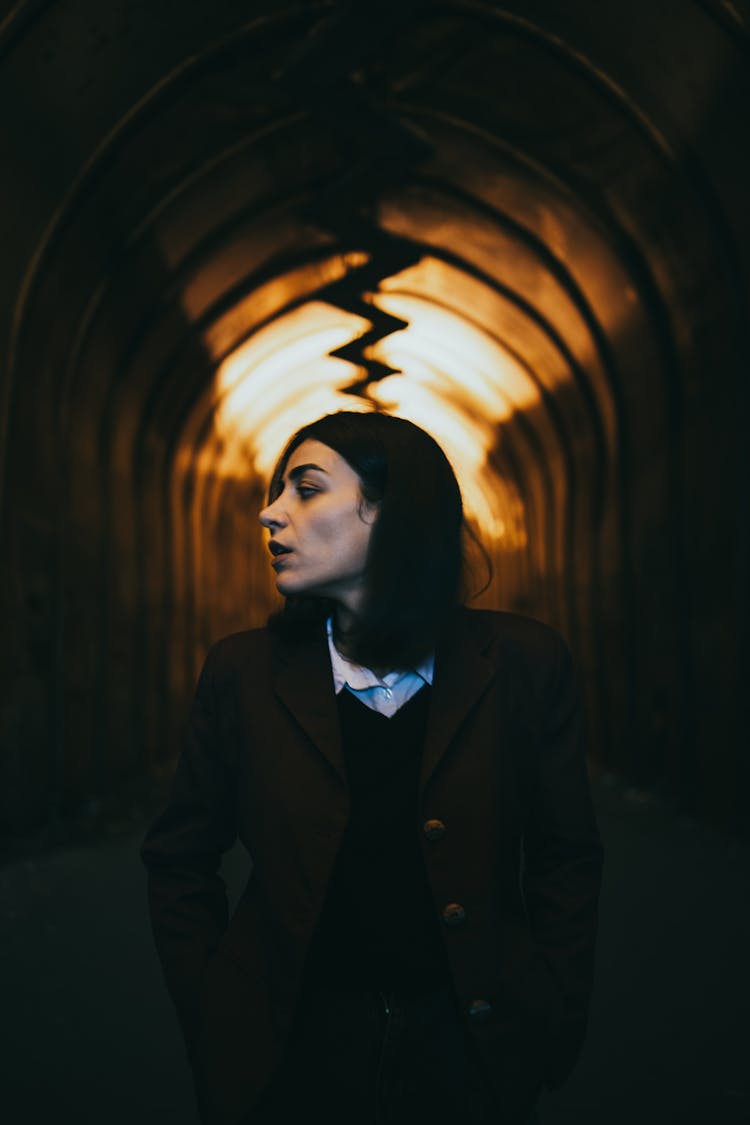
175	185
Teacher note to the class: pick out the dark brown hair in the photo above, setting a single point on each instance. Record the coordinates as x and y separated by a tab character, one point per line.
415	564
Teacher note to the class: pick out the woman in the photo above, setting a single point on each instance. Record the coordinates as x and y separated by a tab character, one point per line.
415	941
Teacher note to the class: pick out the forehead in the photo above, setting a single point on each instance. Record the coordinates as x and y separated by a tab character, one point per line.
311	452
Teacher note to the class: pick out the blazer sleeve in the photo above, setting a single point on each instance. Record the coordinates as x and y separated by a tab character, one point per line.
563	861
182	853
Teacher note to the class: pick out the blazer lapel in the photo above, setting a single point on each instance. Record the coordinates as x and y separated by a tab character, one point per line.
462	672
304	684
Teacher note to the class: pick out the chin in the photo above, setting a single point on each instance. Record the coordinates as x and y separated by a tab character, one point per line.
288	588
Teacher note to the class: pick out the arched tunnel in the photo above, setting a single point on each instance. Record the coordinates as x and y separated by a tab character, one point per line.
525	227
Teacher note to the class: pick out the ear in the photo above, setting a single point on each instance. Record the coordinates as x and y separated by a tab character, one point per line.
368	510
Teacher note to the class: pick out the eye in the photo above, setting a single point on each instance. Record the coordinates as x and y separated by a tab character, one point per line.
305	491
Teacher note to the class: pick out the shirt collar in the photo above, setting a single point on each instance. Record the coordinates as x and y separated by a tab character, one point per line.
355	676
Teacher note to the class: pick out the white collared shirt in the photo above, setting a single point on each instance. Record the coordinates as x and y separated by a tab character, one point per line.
384	695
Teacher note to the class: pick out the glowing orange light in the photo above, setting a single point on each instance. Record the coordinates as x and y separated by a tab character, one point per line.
453	380
281	378
458	384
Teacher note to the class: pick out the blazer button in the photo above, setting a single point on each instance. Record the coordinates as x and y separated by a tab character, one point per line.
433	829
454	914
480	1011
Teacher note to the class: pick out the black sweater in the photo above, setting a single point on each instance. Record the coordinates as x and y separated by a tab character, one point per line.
379	926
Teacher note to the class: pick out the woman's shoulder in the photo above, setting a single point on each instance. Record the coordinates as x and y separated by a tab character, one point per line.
512	640
238	648
531	651
513	629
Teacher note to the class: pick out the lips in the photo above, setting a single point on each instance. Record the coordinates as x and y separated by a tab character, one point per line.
277	549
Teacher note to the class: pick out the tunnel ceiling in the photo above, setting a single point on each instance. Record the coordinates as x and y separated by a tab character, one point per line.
561	186
175	182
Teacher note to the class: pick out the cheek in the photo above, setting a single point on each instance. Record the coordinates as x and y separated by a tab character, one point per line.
344	537
359	541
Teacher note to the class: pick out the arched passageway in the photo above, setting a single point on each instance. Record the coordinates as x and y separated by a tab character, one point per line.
522	226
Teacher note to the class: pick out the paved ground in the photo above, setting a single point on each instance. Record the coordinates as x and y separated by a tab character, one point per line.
87	1035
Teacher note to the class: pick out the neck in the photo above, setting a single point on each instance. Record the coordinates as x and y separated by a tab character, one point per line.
344	621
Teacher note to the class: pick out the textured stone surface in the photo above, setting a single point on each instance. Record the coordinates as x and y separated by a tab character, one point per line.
174	179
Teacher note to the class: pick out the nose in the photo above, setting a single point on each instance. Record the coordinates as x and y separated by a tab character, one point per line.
272	516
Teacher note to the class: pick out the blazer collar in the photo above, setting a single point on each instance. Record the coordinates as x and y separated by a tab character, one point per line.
462	673
304	683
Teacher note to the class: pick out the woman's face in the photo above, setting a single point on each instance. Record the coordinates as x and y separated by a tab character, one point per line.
320	527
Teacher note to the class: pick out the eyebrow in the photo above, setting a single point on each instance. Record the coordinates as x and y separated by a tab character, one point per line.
299	470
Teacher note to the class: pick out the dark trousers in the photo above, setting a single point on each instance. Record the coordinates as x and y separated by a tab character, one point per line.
379	1058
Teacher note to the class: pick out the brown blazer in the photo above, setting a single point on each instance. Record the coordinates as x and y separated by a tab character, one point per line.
503	769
